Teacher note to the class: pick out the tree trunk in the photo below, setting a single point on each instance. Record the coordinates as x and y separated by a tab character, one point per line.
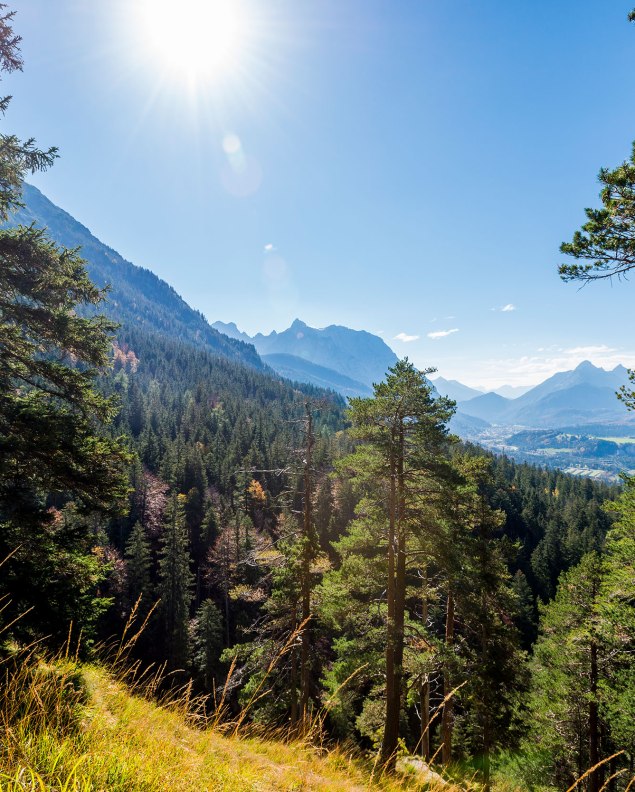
594	754
400	581
486	758
307	555
487	715
425	682
294	675
391	722
425	717
448	707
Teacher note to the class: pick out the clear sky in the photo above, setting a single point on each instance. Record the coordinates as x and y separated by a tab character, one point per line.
408	167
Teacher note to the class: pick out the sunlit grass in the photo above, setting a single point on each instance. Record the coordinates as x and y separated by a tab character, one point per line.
76	728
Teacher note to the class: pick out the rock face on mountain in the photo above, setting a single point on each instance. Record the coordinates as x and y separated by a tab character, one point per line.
585	395
355	354
136	296
230	329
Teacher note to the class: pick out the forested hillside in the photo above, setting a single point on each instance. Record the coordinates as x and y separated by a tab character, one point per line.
136	296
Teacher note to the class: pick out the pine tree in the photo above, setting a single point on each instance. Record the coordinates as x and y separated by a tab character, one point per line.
175	583
400	464
616	614
207	643
569	661
494	667
139	563
605	244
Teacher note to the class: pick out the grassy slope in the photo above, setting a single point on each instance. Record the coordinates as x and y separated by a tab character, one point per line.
125	742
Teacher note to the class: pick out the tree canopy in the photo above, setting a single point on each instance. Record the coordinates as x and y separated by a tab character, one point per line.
605	246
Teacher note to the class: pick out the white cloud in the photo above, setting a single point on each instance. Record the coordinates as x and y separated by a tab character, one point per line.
507	308
600	351
406	338
442	333
531	369
269	248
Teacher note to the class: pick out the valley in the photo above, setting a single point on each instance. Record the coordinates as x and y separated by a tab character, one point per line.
572	450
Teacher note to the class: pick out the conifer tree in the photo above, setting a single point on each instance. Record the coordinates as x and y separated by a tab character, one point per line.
568	665
616	615
139	563
400	464
605	245
494	668
175	583
207	643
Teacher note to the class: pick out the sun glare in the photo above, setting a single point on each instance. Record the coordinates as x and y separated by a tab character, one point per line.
199	38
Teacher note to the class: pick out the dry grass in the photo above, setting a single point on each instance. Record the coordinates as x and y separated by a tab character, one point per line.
73	729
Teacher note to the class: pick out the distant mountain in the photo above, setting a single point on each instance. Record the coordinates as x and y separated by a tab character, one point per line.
585	395
467	426
586	374
355	354
230	329
512	391
137	296
488	407
298	370
455	390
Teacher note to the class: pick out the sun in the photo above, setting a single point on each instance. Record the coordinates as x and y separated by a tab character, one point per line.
198	38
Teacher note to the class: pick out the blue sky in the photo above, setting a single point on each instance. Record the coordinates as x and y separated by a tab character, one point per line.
406	167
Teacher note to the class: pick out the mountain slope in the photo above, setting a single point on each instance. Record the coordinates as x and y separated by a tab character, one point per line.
455	390
488	407
137	296
585	374
355	354
512	391
127	743
577	405
299	370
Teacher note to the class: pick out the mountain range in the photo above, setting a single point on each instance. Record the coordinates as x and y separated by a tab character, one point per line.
348	361
459	392
455	390
585	395
335	357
